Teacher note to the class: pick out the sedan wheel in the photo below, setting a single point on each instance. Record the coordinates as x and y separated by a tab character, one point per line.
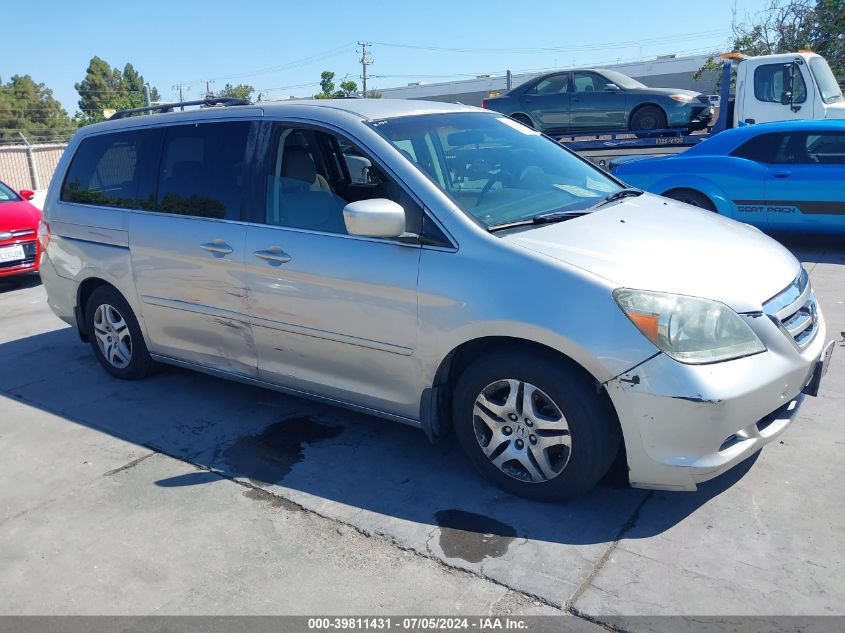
648	118
522	431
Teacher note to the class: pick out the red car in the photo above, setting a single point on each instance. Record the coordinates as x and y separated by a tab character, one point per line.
19	248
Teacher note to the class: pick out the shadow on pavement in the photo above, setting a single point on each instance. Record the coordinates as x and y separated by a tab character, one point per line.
274	440
821	249
18	282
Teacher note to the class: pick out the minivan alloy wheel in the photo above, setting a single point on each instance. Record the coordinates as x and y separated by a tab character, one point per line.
522	431
113	337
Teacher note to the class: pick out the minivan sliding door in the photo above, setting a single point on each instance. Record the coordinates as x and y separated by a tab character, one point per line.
188	253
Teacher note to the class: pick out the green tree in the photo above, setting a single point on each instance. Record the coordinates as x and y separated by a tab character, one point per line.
30	108
107	88
786	26
348	87
327	90
829	34
241	91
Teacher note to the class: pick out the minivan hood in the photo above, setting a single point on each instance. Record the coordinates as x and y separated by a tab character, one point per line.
651	243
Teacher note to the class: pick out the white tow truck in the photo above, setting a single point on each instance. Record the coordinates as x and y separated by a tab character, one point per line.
780	87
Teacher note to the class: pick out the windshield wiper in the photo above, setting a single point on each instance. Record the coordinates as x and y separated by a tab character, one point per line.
627	192
542	218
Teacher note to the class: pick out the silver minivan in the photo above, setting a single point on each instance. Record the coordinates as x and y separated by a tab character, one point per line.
438	265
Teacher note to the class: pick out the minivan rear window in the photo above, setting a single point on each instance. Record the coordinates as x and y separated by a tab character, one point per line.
115	170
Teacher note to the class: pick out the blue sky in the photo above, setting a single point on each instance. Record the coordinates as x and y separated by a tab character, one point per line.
280	46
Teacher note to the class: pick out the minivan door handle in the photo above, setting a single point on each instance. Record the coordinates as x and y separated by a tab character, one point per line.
273	256
782	174
218	247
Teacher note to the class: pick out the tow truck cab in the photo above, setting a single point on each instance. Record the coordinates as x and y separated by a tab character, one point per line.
785	87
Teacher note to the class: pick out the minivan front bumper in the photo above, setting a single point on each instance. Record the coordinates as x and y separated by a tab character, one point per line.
685	424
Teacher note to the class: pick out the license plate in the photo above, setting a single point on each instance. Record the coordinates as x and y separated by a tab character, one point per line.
812	388
11	253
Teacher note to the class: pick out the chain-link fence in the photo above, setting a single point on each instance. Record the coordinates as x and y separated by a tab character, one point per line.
29	166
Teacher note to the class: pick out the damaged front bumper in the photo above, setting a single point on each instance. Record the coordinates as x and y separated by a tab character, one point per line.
685	424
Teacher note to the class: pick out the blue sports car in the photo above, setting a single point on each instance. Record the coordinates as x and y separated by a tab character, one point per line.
785	176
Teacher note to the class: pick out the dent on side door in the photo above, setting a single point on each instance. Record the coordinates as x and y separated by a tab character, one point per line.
338	318
189	274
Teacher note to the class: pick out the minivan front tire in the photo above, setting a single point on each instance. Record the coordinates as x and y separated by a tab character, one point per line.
534	425
115	335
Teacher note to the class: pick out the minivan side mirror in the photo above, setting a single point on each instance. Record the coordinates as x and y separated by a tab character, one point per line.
376	217
27	194
786	97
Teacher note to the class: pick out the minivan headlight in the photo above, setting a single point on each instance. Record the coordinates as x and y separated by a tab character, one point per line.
689	329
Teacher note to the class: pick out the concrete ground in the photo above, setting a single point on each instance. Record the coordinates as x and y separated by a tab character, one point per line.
185	494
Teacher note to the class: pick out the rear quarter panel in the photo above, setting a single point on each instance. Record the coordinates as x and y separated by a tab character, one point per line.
724	179
87	241
506	104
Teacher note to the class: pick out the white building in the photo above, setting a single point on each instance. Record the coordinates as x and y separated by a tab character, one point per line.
667	71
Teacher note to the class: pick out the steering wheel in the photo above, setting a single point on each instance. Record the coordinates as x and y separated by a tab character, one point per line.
494	178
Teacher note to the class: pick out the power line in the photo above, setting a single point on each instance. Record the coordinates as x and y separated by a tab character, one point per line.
570	48
538	71
304	61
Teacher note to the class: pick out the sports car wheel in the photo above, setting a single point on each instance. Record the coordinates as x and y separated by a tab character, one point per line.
691	197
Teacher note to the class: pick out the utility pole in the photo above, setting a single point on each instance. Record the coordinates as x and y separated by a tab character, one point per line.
147	103
207	83
179	88
366	60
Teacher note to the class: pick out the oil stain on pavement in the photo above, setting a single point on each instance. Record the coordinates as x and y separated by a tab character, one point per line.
472	537
269	456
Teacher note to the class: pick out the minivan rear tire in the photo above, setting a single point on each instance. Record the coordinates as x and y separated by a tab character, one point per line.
560	391
105	312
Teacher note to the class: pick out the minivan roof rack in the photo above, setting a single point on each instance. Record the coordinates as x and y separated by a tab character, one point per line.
168	107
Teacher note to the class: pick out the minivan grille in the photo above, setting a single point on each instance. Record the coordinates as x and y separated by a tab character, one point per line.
794	310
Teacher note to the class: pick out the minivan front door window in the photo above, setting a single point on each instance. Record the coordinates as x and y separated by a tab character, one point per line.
315	174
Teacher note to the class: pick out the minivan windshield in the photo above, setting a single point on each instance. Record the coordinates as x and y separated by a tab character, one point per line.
497	170
828	86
